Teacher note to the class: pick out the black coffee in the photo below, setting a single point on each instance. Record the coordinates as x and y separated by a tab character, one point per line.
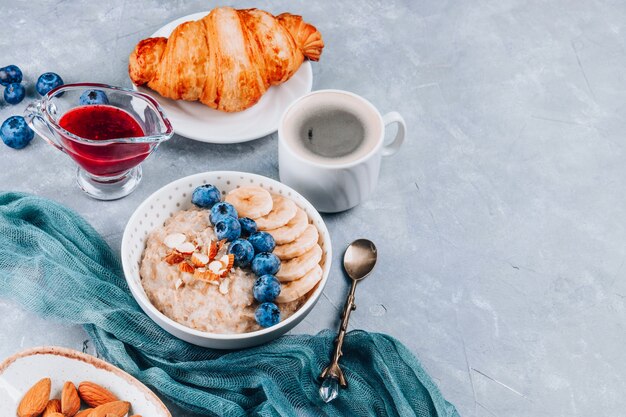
332	133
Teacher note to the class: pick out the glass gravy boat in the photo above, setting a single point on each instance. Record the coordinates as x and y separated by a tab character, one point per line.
108	169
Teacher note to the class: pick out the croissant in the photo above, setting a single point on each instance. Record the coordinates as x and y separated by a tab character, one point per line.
227	59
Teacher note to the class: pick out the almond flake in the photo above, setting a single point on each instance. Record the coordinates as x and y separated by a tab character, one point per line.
179	283
215	266
185	267
187	248
174	239
224	286
212	250
174	257
199	259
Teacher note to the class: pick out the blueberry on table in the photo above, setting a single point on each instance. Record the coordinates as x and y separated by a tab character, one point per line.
228	228
15	132
243	251
47	82
10	74
206	196
266	288
262	242
14	93
222	210
248	226
265	264
267	314
93	97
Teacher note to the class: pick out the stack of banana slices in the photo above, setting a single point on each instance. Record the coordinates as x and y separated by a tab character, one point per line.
296	239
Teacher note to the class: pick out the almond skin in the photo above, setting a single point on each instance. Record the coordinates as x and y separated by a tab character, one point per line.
116	408
54	406
70	402
56	414
84	413
95	395
35	400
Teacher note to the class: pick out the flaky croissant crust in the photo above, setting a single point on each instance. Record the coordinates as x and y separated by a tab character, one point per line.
226	60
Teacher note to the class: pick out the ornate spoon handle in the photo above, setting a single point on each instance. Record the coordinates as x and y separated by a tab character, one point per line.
333	375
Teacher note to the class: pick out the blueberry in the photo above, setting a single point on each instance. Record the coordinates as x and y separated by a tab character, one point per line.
10	74
15	132
221	210
265	263
243	251
14	93
267	314
206	196
228	228
266	288
47	82
248	226
93	97
262	242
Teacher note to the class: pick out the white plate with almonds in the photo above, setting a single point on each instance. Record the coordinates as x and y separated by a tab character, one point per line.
60	382
181	271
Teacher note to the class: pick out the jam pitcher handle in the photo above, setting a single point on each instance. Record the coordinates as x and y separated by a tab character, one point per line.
34	116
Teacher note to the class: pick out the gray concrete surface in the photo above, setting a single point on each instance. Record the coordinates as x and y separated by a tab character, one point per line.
501	223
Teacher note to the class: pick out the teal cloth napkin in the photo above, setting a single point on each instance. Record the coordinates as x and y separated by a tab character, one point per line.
54	263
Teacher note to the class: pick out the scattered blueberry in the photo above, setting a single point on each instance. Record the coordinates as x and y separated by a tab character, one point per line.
267	314
228	228
93	97
266	288
243	251
265	263
14	93
248	226
10	74
47	82
206	196
262	242
221	210
15	132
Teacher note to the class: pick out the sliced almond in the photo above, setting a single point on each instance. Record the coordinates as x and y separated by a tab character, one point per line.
70	402
35	400
215	266
228	261
179	283
94	394
174	239
186	267
186	248
224	286
204	275
212	250
199	259
117	408
53	406
174	257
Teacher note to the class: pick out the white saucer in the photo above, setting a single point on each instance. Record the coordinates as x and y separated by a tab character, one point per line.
199	122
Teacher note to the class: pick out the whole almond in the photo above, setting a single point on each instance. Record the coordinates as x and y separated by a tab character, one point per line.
54	406
35	399
117	408
136	415
95	395
84	413
70	402
56	415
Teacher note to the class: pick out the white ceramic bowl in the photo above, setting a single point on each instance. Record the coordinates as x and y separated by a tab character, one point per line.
176	196
20	372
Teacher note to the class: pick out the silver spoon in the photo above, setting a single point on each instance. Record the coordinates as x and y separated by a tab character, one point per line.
358	261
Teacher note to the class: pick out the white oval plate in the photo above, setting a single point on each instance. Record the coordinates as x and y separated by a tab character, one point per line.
196	121
20	372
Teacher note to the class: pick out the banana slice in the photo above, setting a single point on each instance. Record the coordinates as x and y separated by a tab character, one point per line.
298	247
299	288
298	267
250	202
283	210
292	230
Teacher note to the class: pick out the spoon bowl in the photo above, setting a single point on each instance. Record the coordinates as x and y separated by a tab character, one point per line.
360	259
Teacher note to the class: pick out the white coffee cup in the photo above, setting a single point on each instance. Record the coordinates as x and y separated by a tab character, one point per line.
331	180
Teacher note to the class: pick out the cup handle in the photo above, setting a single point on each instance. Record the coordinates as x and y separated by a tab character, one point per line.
392	146
34	117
